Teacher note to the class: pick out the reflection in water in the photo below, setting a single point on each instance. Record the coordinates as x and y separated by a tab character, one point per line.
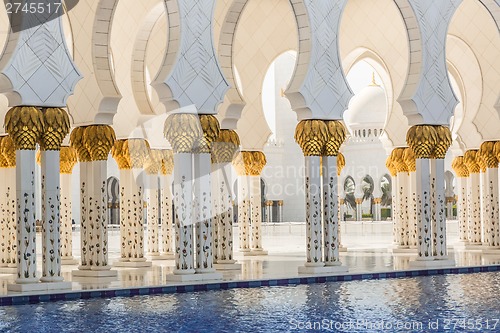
272	309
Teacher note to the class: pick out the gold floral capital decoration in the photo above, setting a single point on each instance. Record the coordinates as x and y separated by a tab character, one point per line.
340	163
250	163
99	140
139	152
154	162
336	137
8	151
3	160
211	129
422	139
471	161
121	154
67	160
183	131
77	142
443	142
489	154
312	136
225	147
410	160
398	161
167	162
56	127
25	126
390	166
459	167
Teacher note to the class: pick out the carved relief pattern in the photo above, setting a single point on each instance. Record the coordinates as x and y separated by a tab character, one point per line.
196	77
152	213
65	218
244	217
330	212
315	86
183	224
166	215
255	209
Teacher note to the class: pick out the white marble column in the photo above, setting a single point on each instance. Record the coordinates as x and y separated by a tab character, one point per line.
4	222
167	249
244	217
491	196
256	215
66	220
314	232
473	198
224	150
424	213
152	198
125	214
26	228
203	212
412	211
359	209
11	211
438	203
462	210
330	211
51	253
183	199
403	185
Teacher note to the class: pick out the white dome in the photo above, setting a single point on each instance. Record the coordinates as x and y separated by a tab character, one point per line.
368	109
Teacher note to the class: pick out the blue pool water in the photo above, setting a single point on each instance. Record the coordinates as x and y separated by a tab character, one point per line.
453	303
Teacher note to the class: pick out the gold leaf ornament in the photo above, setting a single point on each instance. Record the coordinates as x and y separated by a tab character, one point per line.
99	140
471	161
225	148
312	136
167	162
337	136
67	160
25	125
183	131
76	139
56	127
422	139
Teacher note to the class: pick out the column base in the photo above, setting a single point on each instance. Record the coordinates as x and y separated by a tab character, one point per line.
51	279
42	286
194	277
491	250
432	263
95	274
474	247
398	249
133	264
322	269
8	270
164	256
227	267
254	253
69	261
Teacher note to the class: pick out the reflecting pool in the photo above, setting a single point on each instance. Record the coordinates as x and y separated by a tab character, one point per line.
453	303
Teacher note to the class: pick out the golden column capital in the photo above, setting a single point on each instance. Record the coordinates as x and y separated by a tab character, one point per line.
459	167
390	166
8	151
250	163
167	162
410	159
480	160
56	127
377	200
342	201
99	140
67	160
25	126
154	162
225	147
139	152
496	150
211	129
489	154
340	163
359	201
337	135
259	162
3	160
422	139
183	131
471	161
312	136
121	154
76	139
443	143
398	161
